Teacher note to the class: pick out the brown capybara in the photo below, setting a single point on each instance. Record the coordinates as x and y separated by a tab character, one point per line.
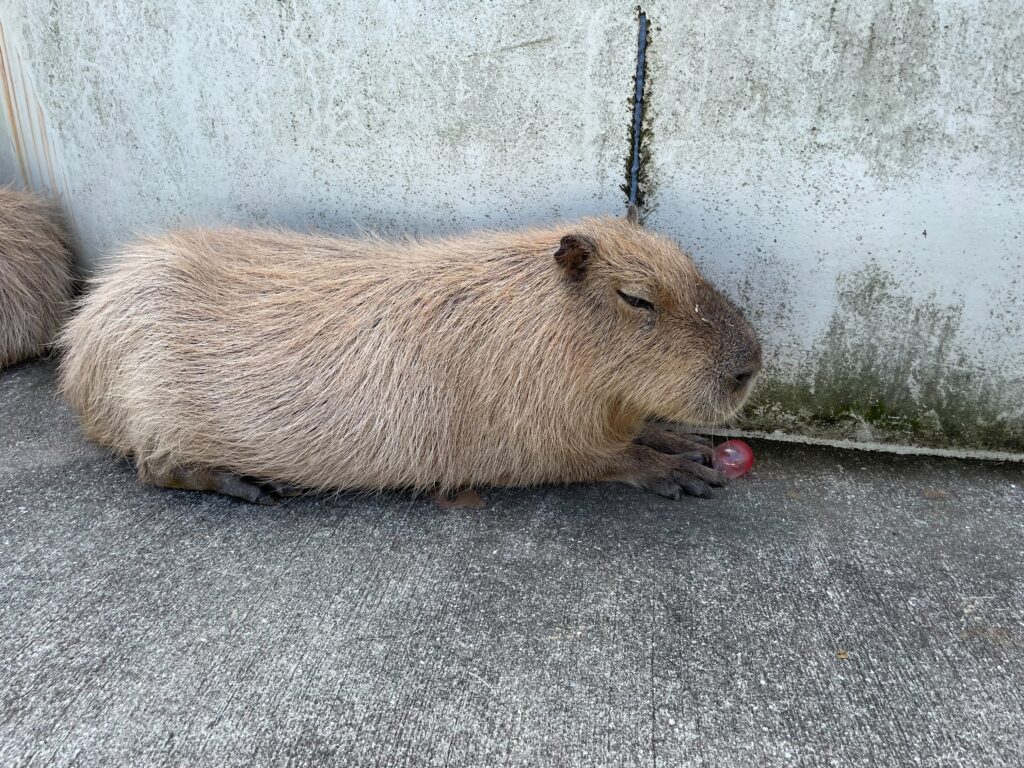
35	275
243	361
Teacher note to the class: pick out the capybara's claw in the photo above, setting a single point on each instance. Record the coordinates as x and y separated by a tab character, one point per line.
279	490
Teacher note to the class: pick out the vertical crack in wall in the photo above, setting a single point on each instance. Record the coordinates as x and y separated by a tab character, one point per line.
634	188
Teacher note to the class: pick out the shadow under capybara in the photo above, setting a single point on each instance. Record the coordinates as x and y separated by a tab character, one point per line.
242	361
36	279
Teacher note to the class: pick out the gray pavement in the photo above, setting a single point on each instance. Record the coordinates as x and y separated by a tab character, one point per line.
832	609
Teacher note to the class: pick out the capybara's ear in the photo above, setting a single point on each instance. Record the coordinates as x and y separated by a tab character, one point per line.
574	251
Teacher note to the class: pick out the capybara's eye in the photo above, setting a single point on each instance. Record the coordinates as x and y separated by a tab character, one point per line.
636	301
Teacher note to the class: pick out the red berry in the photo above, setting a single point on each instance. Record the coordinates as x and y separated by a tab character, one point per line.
733	458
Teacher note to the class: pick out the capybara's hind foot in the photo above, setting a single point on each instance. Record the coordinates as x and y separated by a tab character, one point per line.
468	498
283	490
214	481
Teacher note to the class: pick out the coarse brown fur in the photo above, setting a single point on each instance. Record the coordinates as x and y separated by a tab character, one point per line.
35	275
332	363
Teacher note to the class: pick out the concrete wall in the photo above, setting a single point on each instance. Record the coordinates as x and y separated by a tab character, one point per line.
398	115
852	172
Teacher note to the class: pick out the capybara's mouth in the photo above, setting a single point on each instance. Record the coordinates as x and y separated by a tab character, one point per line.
725	410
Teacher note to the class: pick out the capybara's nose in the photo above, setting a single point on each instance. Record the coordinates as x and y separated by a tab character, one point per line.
743	377
744	373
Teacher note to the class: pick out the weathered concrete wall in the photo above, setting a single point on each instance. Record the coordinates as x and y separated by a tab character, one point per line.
29	155
852	172
399	116
9	173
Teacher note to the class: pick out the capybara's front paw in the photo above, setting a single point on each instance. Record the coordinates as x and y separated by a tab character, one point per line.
670	475
694	478
665	438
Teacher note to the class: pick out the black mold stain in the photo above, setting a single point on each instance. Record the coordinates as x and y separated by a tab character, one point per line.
892	369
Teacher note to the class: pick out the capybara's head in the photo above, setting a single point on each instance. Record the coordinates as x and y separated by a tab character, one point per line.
677	349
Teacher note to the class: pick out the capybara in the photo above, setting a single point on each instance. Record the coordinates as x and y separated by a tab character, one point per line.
36	278
242	361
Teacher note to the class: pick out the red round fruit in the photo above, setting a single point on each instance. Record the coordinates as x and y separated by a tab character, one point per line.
733	458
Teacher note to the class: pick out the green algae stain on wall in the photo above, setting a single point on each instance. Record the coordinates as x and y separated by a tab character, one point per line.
892	368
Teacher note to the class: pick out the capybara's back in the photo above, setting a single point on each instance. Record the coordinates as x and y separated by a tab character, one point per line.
332	363
35	275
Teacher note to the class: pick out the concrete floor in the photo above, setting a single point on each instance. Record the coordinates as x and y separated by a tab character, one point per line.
832	609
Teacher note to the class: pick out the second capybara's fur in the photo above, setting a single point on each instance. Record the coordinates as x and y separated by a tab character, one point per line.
35	275
224	359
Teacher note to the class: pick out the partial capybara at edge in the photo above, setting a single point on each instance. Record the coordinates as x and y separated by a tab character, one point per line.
243	361
35	275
